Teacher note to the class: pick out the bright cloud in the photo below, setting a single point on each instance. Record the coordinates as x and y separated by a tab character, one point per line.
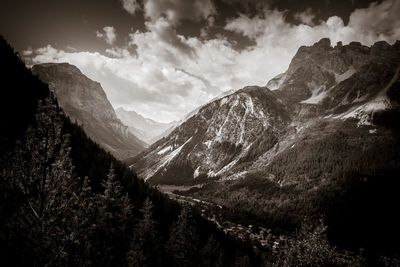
131	6
176	10
170	74
27	52
108	34
306	17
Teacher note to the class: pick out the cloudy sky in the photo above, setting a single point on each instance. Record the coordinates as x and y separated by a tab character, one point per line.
163	58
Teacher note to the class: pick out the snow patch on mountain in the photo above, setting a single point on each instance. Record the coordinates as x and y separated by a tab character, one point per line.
166	160
364	112
316	97
164	150
196	172
344	76
381	102
318	93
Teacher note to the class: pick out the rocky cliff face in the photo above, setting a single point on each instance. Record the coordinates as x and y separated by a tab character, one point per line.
145	129
322	79
244	131
85	102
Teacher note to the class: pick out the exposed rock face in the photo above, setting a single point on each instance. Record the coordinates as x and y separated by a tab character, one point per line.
328	78
145	129
216	137
85	102
246	130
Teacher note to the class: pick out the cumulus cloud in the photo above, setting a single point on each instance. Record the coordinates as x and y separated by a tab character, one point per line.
108	34
27	52
166	33
131	6
378	21
170	74
174	11
305	17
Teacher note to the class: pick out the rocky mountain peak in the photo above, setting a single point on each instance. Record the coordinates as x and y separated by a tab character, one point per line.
315	70
324	43
380	46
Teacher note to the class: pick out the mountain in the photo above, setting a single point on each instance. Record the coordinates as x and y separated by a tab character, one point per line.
211	141
145	129
320	140
325	80
249	127
85	102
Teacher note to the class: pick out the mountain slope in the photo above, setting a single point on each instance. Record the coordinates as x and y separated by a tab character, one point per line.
145	129
214	138
85	102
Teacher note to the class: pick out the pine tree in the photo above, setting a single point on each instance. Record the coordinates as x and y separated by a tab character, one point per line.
182	245
114	204
41	172
83	226
114	220
145	249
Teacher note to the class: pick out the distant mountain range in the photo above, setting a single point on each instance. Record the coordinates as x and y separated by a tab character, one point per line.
85	102
145	129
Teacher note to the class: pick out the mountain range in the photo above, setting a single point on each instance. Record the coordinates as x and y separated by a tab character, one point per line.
86	103
317	145
145	129
247	129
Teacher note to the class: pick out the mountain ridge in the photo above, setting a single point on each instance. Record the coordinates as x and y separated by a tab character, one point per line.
85	101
